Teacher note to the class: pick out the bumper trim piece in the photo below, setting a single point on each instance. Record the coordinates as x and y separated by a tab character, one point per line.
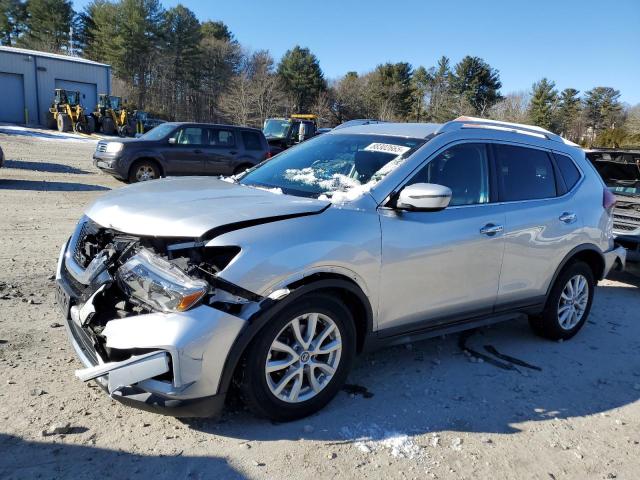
128	372
616	257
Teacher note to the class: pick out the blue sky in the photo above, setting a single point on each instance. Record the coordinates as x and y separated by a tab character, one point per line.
575	43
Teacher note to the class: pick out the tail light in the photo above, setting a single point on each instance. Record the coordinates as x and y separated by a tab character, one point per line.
268	155
608	200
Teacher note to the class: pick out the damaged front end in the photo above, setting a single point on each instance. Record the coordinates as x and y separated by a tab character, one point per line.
149	318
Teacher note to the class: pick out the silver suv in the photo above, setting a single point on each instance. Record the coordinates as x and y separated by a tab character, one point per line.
177	290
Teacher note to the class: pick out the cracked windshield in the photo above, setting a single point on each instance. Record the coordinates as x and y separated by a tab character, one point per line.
333	166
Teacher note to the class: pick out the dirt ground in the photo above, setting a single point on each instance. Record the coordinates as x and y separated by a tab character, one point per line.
433	412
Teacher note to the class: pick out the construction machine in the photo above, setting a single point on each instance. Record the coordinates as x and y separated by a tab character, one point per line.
67	114
112	116
282	133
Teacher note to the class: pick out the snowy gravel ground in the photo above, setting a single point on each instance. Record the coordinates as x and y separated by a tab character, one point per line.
434	412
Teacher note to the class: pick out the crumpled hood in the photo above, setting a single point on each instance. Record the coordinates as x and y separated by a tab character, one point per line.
191	206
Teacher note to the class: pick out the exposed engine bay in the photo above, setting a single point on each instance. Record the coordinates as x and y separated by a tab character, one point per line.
125	275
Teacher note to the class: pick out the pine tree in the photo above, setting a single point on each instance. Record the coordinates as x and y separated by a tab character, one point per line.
217	30
440	92
602	108
477	83
391	90
568	114
301	77
13	17
543	103
48	25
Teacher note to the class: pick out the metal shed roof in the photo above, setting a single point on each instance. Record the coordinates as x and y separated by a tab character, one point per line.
55	56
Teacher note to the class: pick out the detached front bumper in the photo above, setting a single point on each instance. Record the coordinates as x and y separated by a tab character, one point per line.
176	362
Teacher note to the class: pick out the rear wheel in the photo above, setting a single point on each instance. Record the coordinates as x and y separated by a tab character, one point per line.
144	170
51	121
64	122
568	305
91	124
108	128
299	361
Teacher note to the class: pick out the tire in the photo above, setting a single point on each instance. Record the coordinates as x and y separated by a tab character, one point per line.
51	121
91	124
108	128
565	313
144	170
241	168
63	122
259	387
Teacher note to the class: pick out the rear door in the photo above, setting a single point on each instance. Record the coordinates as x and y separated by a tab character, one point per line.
222	151
186	155
542	222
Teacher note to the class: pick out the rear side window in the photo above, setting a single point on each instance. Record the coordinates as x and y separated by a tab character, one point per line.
568	170
221	138
524	173
252	141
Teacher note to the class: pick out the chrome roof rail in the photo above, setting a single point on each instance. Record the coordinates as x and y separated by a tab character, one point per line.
473	122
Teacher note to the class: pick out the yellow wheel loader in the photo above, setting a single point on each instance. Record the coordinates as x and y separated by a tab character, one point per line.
111	116
66	113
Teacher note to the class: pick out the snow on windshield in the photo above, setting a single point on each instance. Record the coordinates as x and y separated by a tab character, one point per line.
339	188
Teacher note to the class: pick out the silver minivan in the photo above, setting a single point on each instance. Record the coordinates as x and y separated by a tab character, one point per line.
176	291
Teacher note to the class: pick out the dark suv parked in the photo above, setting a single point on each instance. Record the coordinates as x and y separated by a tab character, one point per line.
182	149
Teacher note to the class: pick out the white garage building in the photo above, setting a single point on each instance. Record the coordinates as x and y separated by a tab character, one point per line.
28	79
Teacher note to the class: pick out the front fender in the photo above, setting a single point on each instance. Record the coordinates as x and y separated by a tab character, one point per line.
341	241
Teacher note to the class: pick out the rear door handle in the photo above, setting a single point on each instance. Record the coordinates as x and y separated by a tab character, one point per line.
233	152
197	150
567	217
490	229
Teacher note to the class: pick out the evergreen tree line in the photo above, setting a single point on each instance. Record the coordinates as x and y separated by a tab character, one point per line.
177	67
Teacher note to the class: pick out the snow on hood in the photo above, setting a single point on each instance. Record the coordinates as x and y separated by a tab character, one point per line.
191	206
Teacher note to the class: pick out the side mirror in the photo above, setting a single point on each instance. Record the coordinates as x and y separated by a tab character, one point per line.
425	197
172	141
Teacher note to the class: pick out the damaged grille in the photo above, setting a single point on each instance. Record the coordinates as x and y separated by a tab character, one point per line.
626	217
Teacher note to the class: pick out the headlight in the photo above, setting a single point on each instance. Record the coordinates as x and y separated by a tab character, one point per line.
159	284
114	147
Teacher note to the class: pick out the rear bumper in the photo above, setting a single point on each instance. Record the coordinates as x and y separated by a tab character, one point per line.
614	259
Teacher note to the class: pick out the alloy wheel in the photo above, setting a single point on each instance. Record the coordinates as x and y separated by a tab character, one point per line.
144	173
303	358
573	302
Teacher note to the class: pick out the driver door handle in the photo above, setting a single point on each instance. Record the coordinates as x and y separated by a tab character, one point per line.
490	229
197	150
567	217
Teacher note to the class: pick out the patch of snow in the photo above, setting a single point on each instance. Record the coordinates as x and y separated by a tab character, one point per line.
277	191
231	179
47	135
372	438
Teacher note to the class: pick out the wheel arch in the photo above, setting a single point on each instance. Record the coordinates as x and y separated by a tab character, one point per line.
346	289
145	156
589	254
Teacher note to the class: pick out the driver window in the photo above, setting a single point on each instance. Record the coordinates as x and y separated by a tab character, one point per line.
464	168
190	136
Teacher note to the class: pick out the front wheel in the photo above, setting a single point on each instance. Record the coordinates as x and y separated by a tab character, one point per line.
300	360
144	170
568	305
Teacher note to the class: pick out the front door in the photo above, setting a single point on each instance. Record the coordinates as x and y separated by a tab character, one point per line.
185	156
439	267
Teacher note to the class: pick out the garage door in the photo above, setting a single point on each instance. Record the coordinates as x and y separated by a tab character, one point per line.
12	88
88	95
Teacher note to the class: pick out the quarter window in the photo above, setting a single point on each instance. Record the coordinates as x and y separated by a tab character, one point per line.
524	173
464	168
568	170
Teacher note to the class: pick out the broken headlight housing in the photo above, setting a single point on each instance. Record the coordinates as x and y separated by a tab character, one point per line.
159	284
